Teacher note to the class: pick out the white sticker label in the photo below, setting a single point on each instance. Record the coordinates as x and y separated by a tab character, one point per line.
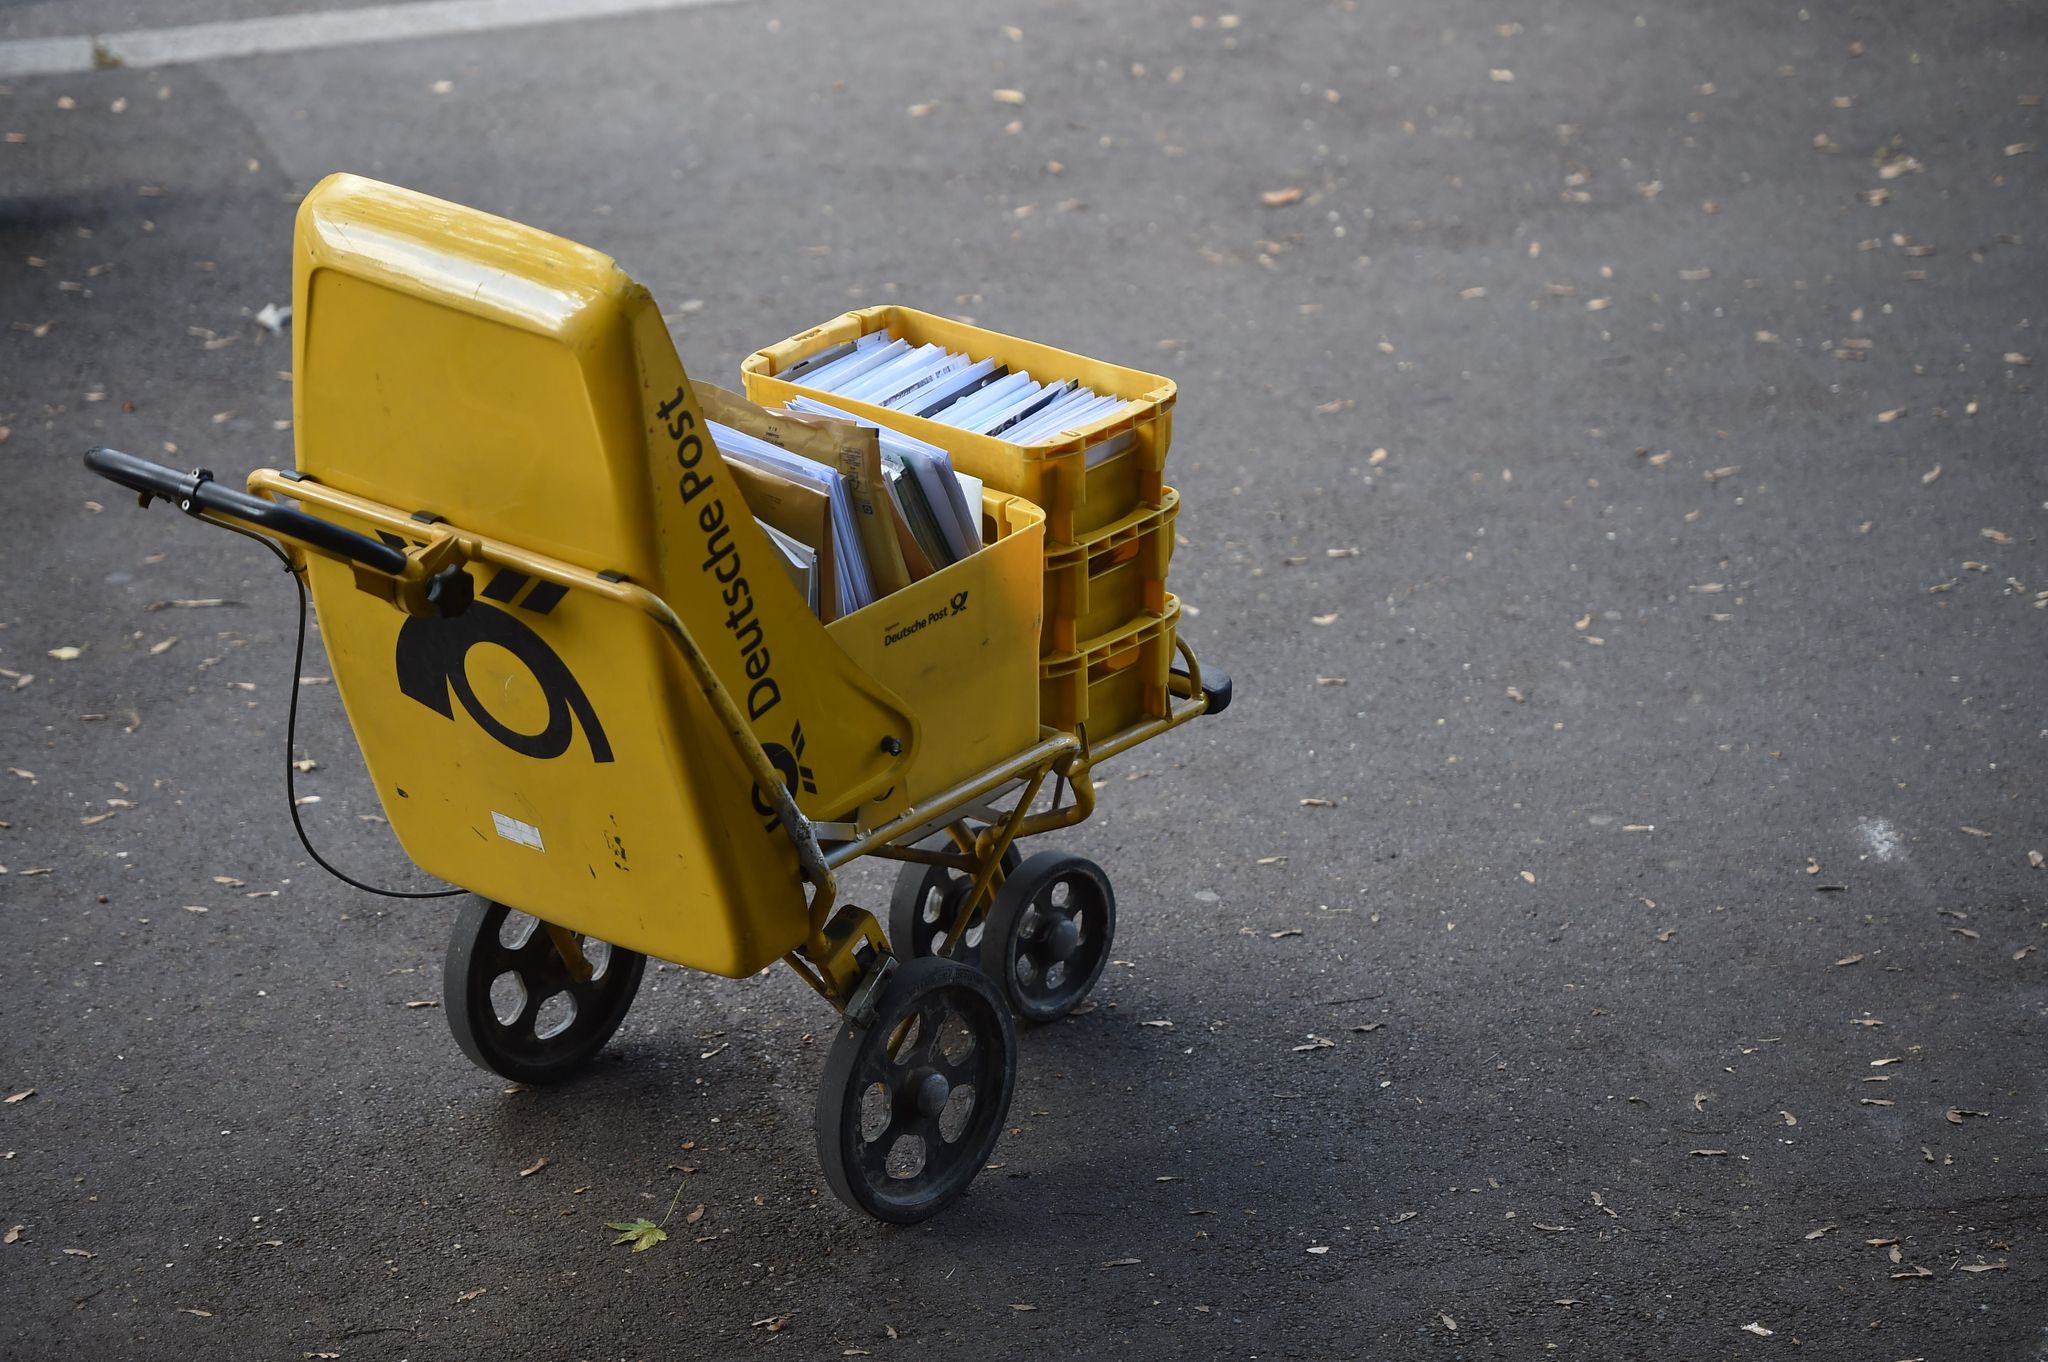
512	830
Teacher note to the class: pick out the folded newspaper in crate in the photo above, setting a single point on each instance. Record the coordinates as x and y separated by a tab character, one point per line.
942	385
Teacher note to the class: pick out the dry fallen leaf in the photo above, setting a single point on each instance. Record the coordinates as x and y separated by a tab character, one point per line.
1984	1267
1758	1330
471	1295
1849	960
1911	1272
1708	1153
1318	804
1280	198
1529	877
1330	618
21	1096
1815	1234
534	1167
1008	96
67	653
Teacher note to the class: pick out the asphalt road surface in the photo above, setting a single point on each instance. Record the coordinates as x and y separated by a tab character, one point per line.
1604	927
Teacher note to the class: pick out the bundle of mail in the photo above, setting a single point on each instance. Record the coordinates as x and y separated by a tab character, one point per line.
953	389
855	511
858	510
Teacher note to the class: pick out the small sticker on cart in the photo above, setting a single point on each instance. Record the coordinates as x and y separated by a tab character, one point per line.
512	830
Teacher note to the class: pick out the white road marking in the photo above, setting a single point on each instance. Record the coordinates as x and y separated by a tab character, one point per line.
1880	838
306	32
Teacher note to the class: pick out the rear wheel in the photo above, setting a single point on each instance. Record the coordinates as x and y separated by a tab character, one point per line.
518	1007
911	1106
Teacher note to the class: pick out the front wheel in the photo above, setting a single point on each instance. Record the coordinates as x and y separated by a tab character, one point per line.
926	898
518	1007
1048	934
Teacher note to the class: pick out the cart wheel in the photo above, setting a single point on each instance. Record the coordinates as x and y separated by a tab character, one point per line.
1048	934
924	901
910	1107
513	1004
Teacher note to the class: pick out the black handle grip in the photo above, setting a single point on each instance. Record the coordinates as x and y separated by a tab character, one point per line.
197	491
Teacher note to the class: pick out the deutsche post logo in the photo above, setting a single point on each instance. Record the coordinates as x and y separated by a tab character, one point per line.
789	764
432	651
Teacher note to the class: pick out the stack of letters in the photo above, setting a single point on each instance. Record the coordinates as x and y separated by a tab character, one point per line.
856	512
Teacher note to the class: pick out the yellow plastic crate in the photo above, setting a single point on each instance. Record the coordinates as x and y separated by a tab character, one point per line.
1113	576
1115	681
1079	493
959	648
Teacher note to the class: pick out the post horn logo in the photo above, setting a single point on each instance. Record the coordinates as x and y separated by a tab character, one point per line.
432	650
788	762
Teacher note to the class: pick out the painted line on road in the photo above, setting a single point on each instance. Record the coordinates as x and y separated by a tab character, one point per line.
306	32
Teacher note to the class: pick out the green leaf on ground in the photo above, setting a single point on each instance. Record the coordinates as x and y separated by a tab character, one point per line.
643	1234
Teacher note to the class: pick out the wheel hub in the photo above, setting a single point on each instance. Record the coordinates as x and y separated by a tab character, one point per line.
1063	939
930	1093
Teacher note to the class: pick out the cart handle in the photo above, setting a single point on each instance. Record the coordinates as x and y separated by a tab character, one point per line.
197	493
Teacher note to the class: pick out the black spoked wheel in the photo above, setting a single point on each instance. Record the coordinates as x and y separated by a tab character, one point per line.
1048	934
926	897
515	1005
910	1107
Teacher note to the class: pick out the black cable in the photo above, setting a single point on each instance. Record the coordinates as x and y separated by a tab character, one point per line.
291	734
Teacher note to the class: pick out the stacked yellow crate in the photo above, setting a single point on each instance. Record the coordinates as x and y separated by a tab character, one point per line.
1107	641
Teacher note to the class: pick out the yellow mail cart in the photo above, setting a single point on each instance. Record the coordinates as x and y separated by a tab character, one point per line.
589	695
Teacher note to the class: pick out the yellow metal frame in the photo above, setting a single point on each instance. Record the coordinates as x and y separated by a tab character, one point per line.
843	944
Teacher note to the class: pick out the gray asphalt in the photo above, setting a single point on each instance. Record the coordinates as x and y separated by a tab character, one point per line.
1680	713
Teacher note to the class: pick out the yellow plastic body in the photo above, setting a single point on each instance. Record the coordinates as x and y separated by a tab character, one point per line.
1057	474
545	748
